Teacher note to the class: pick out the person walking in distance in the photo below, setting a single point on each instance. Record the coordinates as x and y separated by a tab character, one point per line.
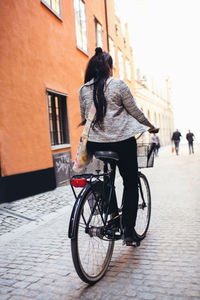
190	139
176	139
155	143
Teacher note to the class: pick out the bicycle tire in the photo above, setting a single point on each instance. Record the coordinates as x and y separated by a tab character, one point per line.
144	207
91	255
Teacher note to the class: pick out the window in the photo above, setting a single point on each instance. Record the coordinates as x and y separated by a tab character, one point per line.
121	64
148	115
116	30
99	34
117	8
54	6
58	120
80	24
128	69
112	50
138	75
155	119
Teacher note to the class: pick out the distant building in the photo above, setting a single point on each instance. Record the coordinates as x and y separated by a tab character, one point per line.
155	101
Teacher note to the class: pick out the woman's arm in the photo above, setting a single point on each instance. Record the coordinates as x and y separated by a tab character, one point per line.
132	108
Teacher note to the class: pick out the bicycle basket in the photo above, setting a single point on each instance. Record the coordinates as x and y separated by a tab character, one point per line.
145	156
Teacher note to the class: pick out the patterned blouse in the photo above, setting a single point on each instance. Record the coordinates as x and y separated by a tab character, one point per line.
123	118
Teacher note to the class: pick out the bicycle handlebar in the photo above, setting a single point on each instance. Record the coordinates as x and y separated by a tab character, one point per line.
156	130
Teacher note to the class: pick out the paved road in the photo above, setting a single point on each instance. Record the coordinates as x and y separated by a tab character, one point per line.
35	258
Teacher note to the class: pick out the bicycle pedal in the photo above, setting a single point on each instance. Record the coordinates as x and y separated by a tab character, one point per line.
117	236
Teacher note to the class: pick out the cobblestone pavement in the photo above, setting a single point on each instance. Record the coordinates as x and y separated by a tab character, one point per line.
25	211
35	257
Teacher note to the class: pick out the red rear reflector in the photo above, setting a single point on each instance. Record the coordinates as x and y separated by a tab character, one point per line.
78	182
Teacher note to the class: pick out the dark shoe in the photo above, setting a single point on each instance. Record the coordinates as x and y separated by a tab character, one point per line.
130	237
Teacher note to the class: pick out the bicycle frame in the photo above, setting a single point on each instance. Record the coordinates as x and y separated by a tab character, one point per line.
141	190
108	181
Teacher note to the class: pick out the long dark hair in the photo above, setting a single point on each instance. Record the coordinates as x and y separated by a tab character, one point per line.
99	68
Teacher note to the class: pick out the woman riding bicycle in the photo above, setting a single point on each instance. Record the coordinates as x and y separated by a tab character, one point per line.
117	121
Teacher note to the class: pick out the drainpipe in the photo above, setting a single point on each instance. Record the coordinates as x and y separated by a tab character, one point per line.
106	16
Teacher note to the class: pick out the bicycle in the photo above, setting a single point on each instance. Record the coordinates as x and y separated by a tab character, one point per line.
92	229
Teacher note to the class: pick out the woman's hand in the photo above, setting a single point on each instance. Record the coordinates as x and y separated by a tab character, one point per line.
153	130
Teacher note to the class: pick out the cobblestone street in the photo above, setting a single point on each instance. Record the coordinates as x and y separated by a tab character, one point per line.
35	257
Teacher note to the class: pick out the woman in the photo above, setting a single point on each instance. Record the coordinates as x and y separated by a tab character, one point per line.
117	121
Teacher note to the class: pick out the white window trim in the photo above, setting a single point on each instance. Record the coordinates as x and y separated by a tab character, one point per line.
127	61
86	52
53	11
62	146
114	58
121	70
96	24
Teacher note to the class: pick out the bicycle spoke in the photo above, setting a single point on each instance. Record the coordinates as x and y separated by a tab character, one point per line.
144	207
93	253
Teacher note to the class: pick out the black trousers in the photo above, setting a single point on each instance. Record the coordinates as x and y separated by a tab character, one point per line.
191	148
128	168
176	143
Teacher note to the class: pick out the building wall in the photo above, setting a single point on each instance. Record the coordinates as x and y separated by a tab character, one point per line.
121	41
159	111
38	52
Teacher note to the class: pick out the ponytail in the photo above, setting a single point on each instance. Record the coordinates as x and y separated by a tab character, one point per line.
99	69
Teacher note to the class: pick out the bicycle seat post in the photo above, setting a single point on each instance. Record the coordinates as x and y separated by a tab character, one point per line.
105	169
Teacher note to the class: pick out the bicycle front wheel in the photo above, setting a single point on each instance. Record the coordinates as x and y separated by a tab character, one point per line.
91	254
144	207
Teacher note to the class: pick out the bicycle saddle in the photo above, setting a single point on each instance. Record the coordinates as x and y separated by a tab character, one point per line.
107	155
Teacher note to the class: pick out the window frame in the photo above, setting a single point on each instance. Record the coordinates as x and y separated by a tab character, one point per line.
78	44
128	68
116	29
96	23
117	8
121	70
62	139
59	16
111	42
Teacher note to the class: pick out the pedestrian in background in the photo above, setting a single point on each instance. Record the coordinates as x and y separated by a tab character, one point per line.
176	139
155	144
190	139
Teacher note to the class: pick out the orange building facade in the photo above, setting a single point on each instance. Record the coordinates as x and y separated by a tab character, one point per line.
45	46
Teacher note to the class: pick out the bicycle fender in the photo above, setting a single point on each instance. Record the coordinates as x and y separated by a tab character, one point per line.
74	214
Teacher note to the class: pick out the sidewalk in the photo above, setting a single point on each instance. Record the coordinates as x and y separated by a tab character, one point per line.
34	209
35	257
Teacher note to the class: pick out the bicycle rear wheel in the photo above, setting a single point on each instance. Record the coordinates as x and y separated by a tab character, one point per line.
90	253
144	207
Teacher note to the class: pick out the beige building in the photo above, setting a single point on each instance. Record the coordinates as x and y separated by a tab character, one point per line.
155	102
153	97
